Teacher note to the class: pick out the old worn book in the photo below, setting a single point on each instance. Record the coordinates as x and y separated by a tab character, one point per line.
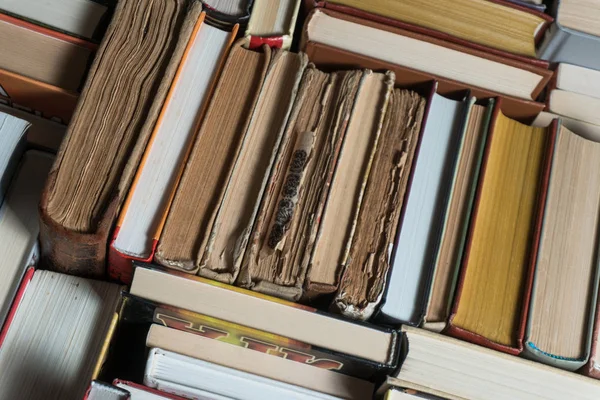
272	22
286	227
146	206
50	348
495	24
222	257
424	211
186	232
386	179
338	220
457	370
492	298
258	363
125	90
421	52
43	54
19	225
458	213
563	298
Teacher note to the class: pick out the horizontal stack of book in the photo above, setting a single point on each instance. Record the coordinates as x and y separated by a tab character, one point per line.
277	199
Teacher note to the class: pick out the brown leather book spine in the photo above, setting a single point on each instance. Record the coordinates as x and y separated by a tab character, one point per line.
84	253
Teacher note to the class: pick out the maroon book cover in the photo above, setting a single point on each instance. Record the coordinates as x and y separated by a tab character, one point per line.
472	337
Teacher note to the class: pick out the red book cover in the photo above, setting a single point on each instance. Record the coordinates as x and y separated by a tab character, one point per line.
466	335
310	4
15	305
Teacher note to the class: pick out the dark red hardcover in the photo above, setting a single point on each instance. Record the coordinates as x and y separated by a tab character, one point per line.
464	334
310	4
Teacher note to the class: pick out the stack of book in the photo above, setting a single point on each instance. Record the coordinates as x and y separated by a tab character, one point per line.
274	199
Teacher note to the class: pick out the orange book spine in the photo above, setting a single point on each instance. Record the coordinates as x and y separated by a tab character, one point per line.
120	266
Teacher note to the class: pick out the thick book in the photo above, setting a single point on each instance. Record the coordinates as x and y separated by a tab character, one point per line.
19	224
37	97
421	52
492	298
195	378
562	308
464	178
331	57
258	363
418	237
82	18
457	370
43	54
576	79
145	209
267	313
137	315
375	224
58	313
574	105
573	37
109	131
272	23
477	24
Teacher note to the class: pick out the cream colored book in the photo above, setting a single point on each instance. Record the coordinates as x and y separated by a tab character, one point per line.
258	363
457	370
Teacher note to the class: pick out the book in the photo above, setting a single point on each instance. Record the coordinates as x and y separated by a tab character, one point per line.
337	225
42	54
574	105
580	80
128	351
258	363
237	210
174	373
573	37
37	97
480	22
492	298
330	57
454	369
12	135
457	215
107	135
19	224
185	235
272	22
278	255
584	129
76	17
42	134
266	313
563	300
423	215
125	390
144	211
369	257
55	335
431	55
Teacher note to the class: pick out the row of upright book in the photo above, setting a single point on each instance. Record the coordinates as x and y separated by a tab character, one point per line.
404	205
